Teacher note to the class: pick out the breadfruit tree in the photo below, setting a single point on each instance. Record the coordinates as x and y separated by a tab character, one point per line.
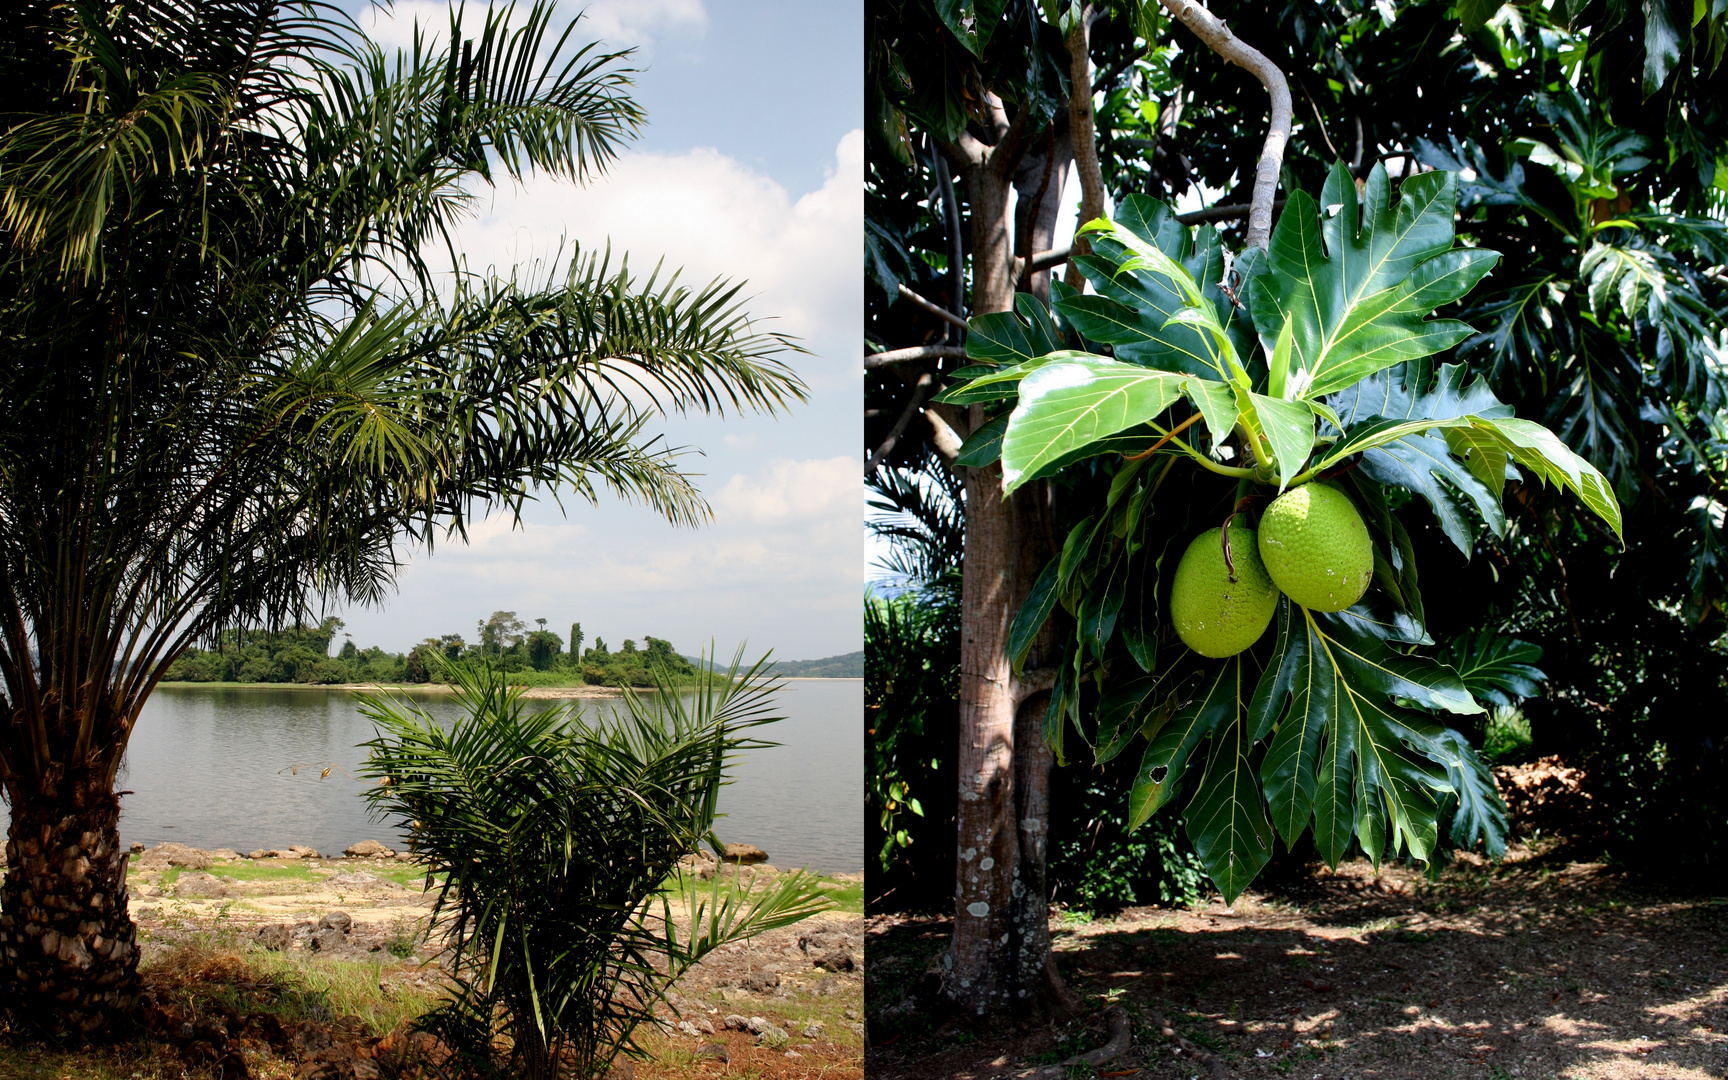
1278	683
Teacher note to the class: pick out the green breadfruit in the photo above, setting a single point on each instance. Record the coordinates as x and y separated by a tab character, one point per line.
1316	548
1215	616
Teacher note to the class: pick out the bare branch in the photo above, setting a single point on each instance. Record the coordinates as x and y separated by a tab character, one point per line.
933	309
1220	40
916	352
1084	134
951	222
942	434
920	390
1044	260
1034	681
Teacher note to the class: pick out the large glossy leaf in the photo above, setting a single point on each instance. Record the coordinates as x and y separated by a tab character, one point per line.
1216	702
1358	302
1134	305
1227	818
1541	451
1479	815
1288	427
970	21
1033	614
1449	442
1496	667
1300	679
1067	406
1348	756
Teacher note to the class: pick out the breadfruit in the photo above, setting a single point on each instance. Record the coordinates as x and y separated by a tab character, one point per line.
1215	616
1316	548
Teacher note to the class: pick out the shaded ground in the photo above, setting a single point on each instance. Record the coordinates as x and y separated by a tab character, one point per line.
1540	967
309	1001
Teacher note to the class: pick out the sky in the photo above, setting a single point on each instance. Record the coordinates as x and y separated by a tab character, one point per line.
751	166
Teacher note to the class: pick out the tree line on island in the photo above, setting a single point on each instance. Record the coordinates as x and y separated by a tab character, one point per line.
535	656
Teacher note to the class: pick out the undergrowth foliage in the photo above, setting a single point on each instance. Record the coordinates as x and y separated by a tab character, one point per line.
1309	361
560	836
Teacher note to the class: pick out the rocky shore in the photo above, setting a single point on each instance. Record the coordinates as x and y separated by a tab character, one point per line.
788	1003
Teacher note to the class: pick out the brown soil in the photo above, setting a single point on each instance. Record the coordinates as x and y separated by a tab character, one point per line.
806	996
1540	967
199	971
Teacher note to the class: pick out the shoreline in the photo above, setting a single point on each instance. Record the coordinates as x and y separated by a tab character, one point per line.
544	692
166	853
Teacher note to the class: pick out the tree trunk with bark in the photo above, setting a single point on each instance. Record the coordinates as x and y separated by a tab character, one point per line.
70	947
998	965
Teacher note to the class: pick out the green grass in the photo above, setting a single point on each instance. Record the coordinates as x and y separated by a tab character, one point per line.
252	871
137	1059
306	987
214	969
1506	741
846	896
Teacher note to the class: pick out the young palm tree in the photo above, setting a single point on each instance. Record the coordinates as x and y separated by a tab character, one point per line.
234	387
557	839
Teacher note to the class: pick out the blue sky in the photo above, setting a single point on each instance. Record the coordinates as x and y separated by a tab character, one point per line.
751	166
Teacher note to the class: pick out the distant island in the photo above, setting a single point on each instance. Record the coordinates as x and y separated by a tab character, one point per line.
845	666
303	655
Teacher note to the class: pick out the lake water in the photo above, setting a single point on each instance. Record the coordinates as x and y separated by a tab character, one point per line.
243	767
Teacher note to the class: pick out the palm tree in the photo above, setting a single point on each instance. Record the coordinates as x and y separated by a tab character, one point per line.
556	839
235	388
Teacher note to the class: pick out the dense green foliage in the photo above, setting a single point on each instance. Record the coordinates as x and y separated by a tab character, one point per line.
1589	140
299	654
532	658
555	836
1324	727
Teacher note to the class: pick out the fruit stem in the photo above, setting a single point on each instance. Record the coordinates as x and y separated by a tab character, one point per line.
1168	435
1244	500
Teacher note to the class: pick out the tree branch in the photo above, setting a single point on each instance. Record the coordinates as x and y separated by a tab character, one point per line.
1033	681
1084	133
916	352
940	312
926	382
942	434
951	222
1044	260
1220	40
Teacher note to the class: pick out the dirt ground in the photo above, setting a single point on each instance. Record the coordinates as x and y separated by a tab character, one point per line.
794	995
1540	967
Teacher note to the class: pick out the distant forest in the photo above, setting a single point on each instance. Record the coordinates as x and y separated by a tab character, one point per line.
302	654
845	666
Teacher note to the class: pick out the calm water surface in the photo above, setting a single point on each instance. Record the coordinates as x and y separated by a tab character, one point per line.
243	767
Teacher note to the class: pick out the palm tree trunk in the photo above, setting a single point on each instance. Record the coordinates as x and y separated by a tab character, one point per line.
70	948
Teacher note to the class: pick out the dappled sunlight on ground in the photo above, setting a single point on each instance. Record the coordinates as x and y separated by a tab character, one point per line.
1539	967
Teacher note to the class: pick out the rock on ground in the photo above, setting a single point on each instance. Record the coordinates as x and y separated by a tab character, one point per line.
275	936
162	856
746	854
368	849
200	886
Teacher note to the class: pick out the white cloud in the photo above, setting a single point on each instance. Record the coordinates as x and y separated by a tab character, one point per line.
707	213
778	566
637	22
790	493
618	24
